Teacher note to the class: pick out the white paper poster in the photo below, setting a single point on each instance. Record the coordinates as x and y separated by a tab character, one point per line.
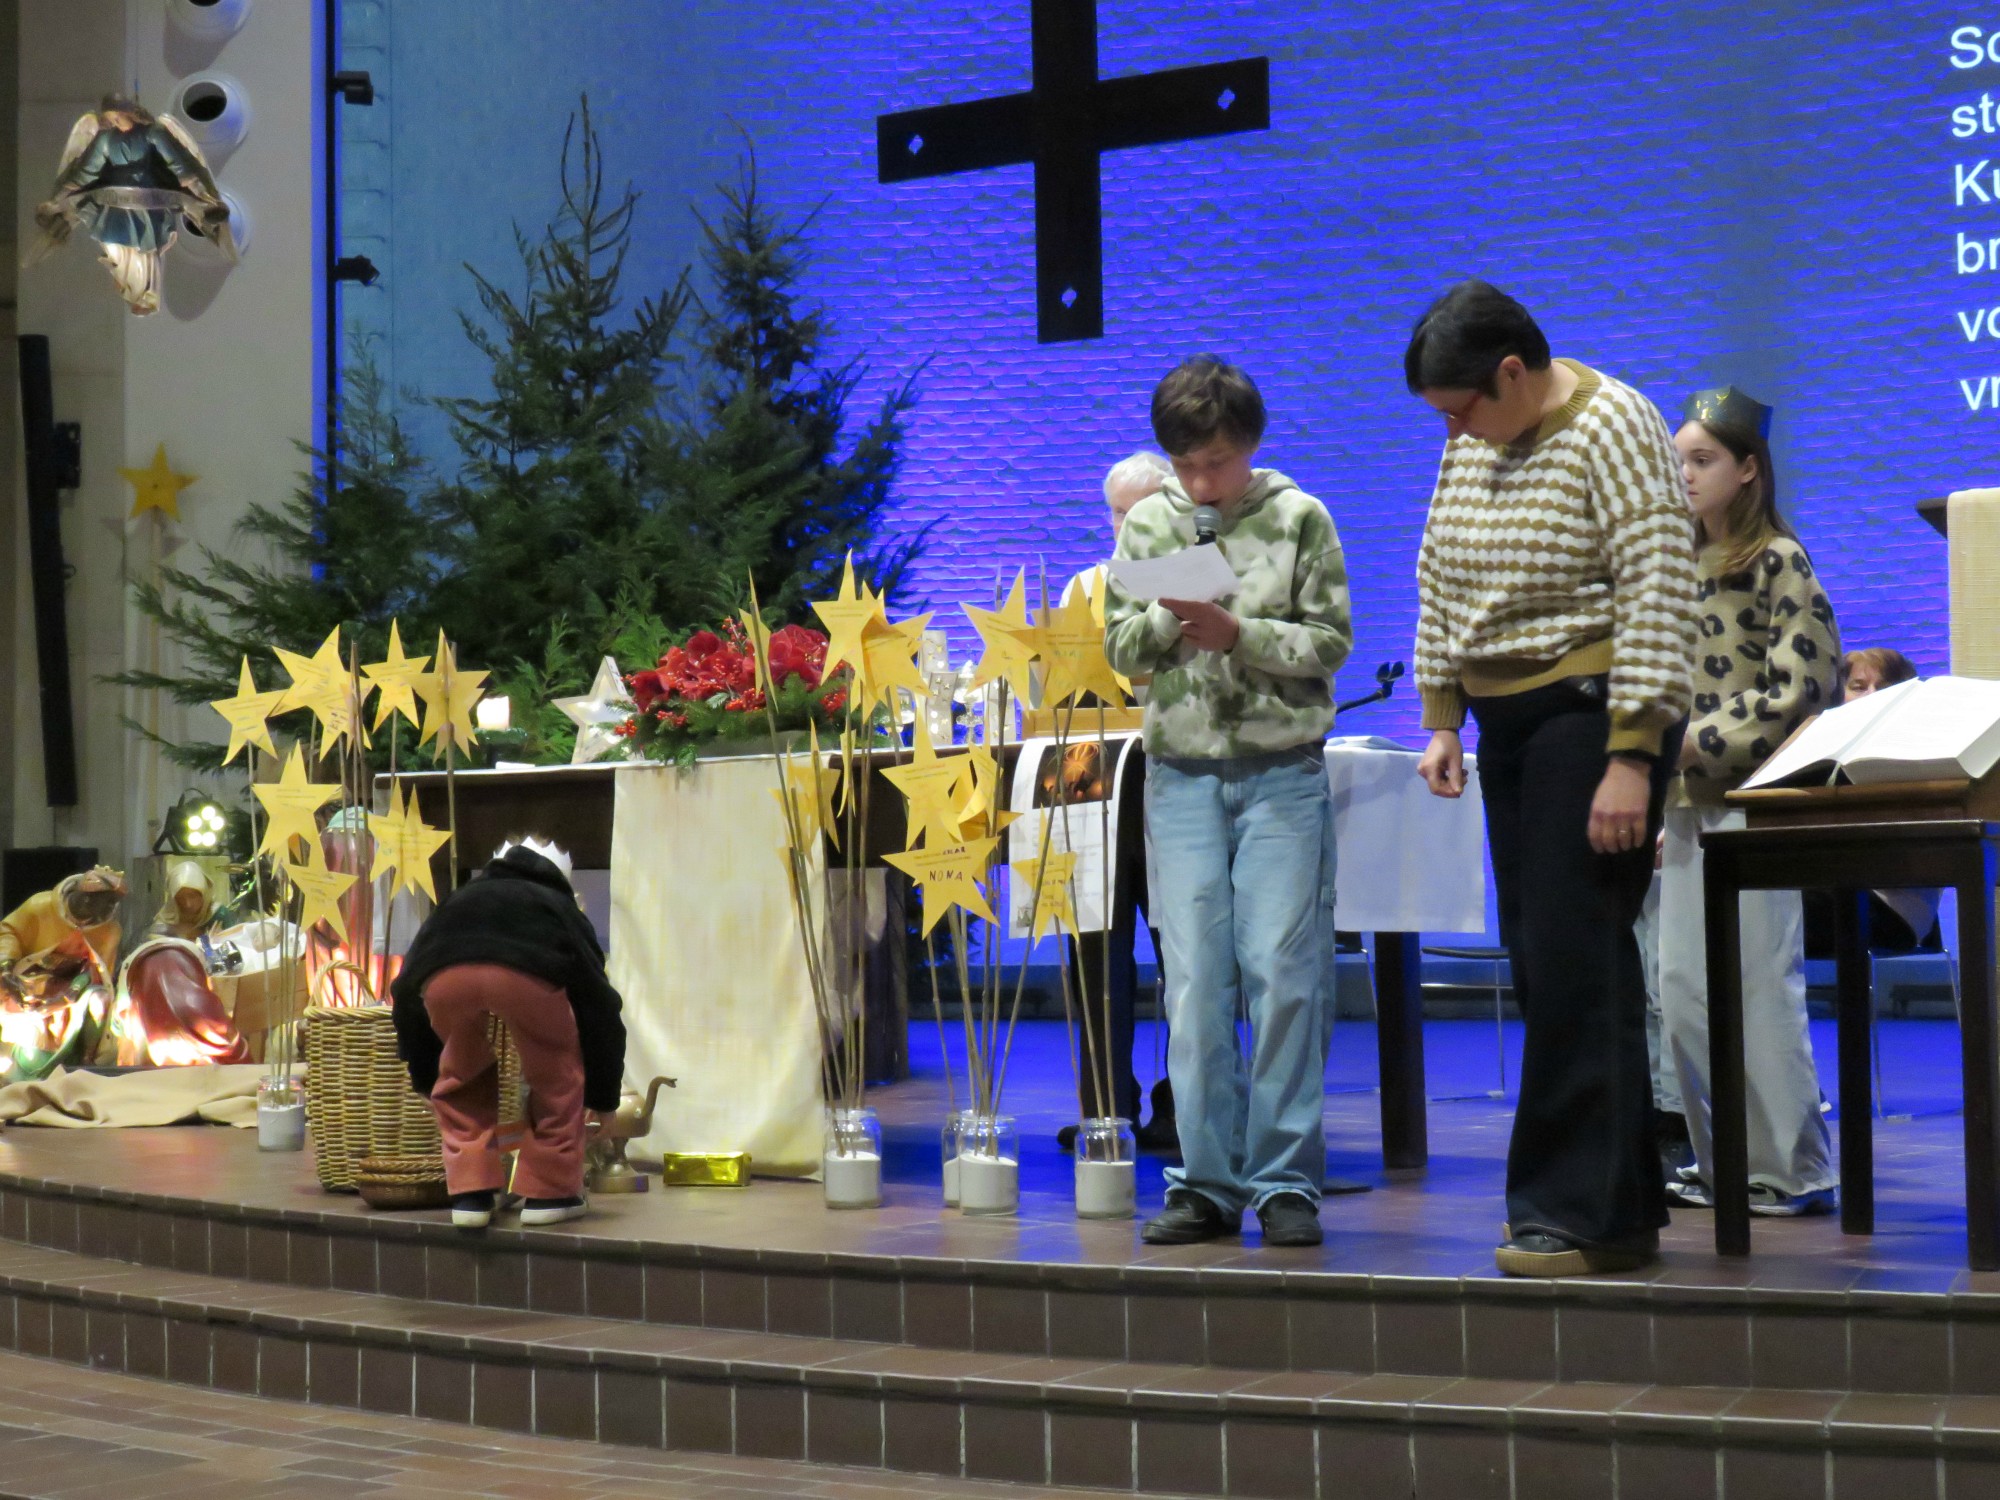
1086	827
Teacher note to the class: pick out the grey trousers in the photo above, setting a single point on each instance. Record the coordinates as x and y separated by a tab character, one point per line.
1789	1146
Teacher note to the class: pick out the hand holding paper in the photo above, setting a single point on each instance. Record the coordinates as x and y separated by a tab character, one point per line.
1200	573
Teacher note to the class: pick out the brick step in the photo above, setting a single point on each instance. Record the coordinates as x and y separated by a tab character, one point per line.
1674	1329
1163	1427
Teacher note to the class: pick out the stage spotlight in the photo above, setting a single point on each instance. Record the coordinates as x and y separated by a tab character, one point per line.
198	824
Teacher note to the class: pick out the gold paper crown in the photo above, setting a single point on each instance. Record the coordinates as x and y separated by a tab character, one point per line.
1729	407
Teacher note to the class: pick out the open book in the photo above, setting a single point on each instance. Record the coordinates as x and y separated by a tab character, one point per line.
1930	729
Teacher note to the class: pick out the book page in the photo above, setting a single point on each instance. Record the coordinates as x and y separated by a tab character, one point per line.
1949	727
1824	743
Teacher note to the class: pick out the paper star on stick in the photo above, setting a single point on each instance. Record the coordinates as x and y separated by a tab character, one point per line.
1096	585
290	807
247	713
404	844
812	785
847	618
321	682
320	890
450	696
926	784
977	793
157	486
1047	880
395	680
594	713
949	877
890	652
1012	644
1073	656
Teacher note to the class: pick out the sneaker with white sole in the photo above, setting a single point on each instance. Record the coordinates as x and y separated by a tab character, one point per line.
472	1210
1772	1203
546	1211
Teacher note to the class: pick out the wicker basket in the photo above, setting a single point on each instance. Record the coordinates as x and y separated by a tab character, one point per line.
359	1102
393	1182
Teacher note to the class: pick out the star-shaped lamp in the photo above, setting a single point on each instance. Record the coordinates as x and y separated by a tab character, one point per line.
949	876
290	807
1048	881
157	486
320	890
247	713
404	844
608	703
395	680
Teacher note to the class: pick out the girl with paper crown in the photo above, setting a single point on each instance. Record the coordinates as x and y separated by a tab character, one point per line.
1768	657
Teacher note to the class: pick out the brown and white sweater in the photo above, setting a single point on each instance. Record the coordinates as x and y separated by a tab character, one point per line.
1568	554
1769	654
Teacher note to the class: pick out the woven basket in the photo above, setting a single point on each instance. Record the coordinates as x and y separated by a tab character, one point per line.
359	1102
393	1182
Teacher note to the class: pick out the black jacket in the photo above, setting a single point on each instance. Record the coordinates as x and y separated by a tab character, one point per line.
519	912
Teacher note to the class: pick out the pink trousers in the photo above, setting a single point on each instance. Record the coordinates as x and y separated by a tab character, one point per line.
466	1099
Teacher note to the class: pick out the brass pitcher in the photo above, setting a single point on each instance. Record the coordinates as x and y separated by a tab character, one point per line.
609	1171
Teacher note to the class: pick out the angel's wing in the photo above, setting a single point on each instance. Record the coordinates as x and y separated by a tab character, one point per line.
209	191
81	134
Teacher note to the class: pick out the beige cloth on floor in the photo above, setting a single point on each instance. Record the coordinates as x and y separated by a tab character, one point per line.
217	1094
705	950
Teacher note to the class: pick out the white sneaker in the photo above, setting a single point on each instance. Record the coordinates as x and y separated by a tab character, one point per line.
545	1211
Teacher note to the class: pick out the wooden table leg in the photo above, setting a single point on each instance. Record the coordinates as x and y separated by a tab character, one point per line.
1853	1002
1731	1187
1399	1046
1982	1059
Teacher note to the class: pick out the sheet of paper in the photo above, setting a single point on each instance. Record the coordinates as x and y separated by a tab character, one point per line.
1084	832
1199	574
1826	740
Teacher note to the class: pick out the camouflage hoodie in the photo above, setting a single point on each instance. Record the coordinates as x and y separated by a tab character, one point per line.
1274	688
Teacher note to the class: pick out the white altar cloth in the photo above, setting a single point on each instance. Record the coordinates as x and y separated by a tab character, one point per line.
1408	861
705	950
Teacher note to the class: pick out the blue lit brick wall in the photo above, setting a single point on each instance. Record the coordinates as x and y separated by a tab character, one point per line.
1686	196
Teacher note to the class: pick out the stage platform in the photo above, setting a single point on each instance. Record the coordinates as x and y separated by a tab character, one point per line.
1392	1361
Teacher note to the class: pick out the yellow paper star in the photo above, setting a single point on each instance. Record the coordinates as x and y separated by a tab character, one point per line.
320	890
949	877
812	784
246	713
450	695
1095	585
157	486
321	683
890	653
1012	644
977	795
1048	879
847	618
404	844
395	680
926	784
1073	656
289	807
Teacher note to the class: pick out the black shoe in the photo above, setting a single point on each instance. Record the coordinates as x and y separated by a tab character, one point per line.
472	1210
1552	1255
1189	1220
546	1211
1066	1139
1290	1219
1158	1137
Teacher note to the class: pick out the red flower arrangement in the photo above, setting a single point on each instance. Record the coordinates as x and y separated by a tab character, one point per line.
705	689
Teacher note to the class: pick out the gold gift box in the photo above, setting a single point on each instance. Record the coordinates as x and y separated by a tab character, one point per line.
705	1169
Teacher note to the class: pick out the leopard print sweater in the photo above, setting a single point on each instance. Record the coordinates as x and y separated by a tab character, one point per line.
1768	654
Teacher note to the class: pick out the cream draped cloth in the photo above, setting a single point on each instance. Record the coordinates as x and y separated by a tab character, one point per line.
705	950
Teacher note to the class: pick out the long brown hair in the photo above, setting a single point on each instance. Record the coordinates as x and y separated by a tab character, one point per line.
1751	520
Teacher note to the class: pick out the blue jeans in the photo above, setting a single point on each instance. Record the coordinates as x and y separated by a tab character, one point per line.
1244	857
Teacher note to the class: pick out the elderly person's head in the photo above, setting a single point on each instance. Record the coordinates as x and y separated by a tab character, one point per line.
1132	480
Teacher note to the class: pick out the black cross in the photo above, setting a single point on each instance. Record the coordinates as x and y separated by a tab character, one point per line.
1063	124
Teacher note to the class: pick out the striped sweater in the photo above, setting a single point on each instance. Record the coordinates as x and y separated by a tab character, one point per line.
1570	553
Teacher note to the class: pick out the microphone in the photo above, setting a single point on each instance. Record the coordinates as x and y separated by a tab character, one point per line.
1207	521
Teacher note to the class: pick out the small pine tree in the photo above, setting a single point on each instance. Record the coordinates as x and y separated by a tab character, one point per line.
354	554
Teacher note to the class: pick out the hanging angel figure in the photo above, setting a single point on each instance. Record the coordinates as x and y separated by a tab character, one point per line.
128	177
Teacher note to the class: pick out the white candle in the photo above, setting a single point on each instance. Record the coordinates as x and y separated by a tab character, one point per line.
988	1184
1106	1189
853	1181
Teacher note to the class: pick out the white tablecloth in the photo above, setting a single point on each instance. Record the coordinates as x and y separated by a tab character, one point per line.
1408	861
705	950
